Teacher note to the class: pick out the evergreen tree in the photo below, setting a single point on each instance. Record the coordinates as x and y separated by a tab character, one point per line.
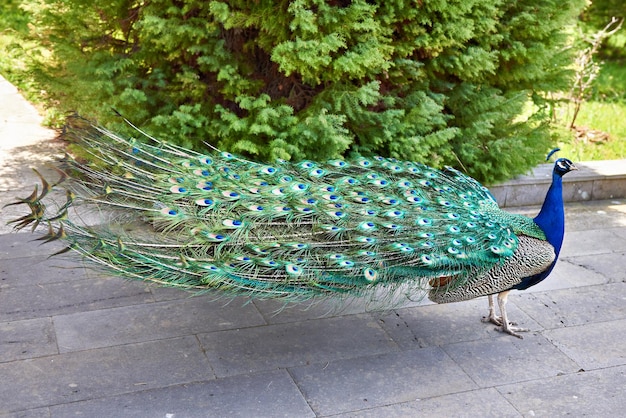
436	81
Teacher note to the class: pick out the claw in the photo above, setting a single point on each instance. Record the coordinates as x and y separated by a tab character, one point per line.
501	321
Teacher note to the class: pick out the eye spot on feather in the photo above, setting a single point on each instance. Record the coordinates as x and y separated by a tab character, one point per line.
366	240
394	214
338	163
204	202
367	226
232	223
414	199
229	194
202	173
306	164
424	222
178	189
211	267
350	181
370	274
214	237
496	250
169	211
293	270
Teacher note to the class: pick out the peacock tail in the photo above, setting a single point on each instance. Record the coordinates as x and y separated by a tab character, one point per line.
281	230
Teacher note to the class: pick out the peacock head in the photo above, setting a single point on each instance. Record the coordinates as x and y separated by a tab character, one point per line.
563	166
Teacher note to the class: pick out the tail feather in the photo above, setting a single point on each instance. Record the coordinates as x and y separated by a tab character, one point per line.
290	230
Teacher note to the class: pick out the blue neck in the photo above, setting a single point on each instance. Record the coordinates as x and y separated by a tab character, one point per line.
551	218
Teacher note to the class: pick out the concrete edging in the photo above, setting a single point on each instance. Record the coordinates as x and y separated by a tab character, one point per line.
595	180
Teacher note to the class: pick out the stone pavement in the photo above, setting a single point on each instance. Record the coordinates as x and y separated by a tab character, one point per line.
77	343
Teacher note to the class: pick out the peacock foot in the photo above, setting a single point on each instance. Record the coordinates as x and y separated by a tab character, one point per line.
495	320
511	330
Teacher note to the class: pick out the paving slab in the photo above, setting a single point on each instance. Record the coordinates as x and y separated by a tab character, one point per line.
27	339
576	306
597	241
31	413
53	380
33	301
485	403
271	394
505	359
152	321
21	245
592	215
568	273
598	393
27	271
608	348
278	312
611	266
447	323
285	345
373	381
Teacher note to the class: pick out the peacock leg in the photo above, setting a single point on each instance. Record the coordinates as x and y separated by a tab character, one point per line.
491	317
504	321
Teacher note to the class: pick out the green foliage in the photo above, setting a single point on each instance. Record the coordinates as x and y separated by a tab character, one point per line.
442	82
597	16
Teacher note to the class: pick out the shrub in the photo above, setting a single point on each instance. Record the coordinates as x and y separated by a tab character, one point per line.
442	82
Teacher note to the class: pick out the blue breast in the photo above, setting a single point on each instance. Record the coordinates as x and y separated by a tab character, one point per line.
551	219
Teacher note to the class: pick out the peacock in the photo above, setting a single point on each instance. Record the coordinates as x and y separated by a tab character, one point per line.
293	231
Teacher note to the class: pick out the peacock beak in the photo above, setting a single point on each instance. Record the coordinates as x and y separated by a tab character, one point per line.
573	167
